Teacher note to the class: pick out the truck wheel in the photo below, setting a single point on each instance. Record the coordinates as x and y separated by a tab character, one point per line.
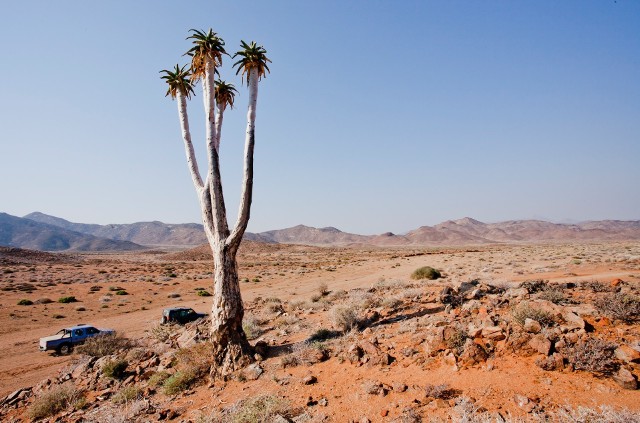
64	349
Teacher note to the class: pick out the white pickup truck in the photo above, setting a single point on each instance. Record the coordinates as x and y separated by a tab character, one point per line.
64	341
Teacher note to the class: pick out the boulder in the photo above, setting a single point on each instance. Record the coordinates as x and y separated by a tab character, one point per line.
493	332
627	354
532	326
540	344
309	380
473	354
625	379
516	292
572	321
253	371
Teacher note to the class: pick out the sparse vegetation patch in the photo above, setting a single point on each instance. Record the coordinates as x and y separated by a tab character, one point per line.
426	272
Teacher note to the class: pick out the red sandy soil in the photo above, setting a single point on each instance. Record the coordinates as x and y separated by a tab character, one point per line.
293	273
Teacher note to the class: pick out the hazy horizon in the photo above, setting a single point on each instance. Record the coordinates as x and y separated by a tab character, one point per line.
376	117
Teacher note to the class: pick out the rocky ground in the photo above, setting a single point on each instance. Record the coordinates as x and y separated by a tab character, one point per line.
508	333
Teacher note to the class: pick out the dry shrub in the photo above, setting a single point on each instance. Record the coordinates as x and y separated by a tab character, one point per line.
197	358
305	353
412	293
103	345
456	340
364	300
345	317
534	286
340	294
593	355
251	327
443	391
274	307
597	286
605	414
524	311
556	296
323	289
263	408
164	332
127	394
297	305
624	307
58	398
391	302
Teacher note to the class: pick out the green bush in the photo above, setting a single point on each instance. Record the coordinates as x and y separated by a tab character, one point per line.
115	369
66	300
158	378
126	394
192	364
122	292
203	293
426	272
178	382
25	302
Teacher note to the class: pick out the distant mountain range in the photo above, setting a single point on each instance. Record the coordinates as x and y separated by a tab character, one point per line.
39	231
34	235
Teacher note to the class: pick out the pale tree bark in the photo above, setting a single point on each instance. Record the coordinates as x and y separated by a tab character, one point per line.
231	349
219	118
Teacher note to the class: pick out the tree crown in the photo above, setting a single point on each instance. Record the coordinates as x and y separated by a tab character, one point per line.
225	93
252	56
178	80
205	45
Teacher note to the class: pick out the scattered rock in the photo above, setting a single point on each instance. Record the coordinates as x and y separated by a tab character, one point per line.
253	371
399	387
516	292
540	344
572	321
627	354
625	379
524	403
473	354
493	332
309	380
532	326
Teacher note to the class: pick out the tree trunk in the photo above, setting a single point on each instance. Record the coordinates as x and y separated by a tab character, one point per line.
231	349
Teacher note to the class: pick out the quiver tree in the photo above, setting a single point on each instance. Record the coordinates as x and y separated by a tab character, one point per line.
231	350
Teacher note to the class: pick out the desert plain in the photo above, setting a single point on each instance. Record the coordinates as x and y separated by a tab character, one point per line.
414	355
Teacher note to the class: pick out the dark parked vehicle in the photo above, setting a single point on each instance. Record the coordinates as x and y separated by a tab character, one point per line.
180	315
64	341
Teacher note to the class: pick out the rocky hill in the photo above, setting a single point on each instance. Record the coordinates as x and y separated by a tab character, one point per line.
466	231
25	233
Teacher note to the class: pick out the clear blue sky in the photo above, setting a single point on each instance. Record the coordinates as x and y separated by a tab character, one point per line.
377	116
